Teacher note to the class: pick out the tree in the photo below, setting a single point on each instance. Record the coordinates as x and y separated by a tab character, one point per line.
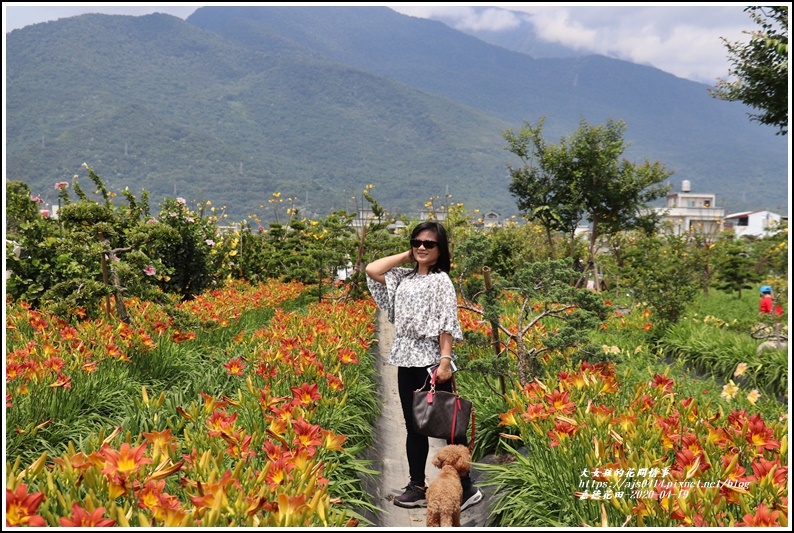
735	270
761	67
664	274
554	315
539	186
584	177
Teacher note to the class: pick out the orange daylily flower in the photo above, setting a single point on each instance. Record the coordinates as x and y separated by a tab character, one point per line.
332	441
509	418
149	496
62	381
562	429
211	402
278	473
210	492
162	441
82	518
220	422
78	461
68	334
21	507
602	413
763	468
239	445
288	506
688	464
348	356
274	451
169	511
124	461
762	518
535	389
626	421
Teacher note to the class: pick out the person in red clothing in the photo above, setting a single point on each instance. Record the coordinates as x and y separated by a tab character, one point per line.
767	304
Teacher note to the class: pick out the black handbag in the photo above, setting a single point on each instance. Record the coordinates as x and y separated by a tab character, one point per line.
441	414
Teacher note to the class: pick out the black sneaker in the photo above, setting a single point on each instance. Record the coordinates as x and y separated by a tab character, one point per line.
414	496
471	496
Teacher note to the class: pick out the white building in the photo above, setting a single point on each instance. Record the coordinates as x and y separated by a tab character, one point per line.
688	212
491	219
752	223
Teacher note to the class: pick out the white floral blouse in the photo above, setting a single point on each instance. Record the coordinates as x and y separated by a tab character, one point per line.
421	307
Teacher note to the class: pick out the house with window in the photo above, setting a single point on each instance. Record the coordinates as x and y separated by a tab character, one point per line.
490	219
752	223
689	212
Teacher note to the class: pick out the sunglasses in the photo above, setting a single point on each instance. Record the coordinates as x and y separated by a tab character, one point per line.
429	245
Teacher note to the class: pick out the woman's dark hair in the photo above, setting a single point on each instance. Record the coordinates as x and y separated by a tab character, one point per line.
443	263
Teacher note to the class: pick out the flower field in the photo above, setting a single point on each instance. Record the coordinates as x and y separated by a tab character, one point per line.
276	447
629	442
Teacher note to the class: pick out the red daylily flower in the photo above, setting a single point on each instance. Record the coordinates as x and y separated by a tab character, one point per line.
305	394
763	468
334	383
169	511
21	507
278	473
68	334
559	401
762	518
306	434
535	411
759	435
686	461
235	367
82	518
663	383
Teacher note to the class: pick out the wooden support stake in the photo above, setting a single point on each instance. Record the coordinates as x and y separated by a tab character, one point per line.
486	272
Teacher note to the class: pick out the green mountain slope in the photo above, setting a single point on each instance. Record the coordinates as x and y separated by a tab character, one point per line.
155	103
316	102
712	143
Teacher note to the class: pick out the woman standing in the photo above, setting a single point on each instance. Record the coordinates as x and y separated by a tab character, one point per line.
422	305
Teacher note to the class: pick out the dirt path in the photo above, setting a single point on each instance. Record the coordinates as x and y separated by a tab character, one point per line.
390	451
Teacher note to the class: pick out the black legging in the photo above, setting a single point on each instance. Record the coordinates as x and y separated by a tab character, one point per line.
409	379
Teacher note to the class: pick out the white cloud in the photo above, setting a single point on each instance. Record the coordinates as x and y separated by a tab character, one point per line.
466	18
677	38
680	39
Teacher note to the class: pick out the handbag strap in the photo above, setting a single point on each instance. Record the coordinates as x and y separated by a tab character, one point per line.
455	411
471	440
433	382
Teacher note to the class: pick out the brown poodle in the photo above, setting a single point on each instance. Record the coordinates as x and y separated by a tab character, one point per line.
445	492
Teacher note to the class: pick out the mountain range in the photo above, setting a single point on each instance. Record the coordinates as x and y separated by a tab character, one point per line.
235	104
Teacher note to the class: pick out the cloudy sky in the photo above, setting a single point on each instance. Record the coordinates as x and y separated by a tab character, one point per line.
680	38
